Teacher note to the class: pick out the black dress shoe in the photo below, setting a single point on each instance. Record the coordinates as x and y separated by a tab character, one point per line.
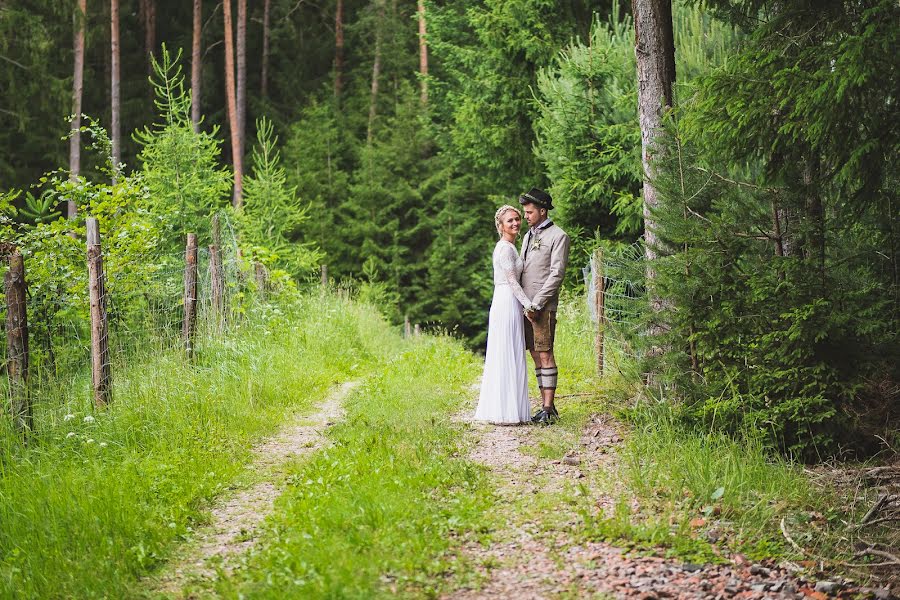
538	416
547	416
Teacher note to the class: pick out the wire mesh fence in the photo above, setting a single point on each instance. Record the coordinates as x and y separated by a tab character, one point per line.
63	329
617	301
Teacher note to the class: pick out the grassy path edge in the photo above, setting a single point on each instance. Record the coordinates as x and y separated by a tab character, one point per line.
237	516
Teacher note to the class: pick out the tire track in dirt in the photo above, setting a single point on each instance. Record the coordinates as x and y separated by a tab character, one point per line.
236	517
538	556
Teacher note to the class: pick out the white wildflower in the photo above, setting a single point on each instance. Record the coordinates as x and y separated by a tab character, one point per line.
68	417
70	434
89	419
103	444
90	441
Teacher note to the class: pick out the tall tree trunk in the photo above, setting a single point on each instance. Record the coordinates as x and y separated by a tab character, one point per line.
655	52
115	100
237	200
77	93
338	49
241	73
196	64
423	53
147	14
264	84
376	71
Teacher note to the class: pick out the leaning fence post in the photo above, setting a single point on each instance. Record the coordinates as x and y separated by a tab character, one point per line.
217	287
189	325
17	343
600	305
100	368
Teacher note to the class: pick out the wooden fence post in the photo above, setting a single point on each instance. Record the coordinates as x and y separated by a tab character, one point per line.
600	306
262	277
189	326
217	287
100	368
216	231
417	331
14	287
407	328
324	276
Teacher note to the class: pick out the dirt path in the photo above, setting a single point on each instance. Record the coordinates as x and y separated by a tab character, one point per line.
538	553
236	517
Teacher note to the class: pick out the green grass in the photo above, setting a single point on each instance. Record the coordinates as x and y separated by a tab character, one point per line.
675	474
380	509
98	497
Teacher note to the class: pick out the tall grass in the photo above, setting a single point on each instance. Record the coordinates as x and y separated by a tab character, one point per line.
733	480
380	508
676	473
98	496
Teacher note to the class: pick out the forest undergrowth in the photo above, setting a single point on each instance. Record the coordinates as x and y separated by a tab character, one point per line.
388	505
116	488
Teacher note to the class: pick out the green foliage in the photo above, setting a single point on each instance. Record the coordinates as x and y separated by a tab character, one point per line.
34	94
181	169
390	498
488	55
781	266
40	210
273	215
318	154
123	485
703	473
588	136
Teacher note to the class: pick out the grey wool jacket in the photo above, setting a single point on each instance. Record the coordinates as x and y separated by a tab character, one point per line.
545	254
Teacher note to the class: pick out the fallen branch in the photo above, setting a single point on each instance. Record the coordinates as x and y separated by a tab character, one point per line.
875	508
881	520
790	540
892	559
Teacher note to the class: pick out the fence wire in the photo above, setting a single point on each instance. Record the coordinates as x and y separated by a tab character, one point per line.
622	302
144	299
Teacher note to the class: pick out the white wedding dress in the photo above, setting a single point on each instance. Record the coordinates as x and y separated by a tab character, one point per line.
504	386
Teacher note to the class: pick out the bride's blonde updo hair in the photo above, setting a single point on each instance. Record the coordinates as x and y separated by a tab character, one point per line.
502	211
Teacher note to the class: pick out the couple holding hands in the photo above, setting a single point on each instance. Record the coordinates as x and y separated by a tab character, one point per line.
523	313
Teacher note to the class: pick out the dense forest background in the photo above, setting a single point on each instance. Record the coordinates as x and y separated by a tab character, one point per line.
378	137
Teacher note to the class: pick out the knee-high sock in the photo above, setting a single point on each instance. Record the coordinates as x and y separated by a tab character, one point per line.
549	377
539	374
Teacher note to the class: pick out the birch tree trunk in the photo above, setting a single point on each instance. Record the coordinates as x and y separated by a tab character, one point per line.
338	49
237	199
115	100
196	64
376	71
423	53
264	84
77	93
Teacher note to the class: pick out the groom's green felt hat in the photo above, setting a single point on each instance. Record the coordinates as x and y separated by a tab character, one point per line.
537	197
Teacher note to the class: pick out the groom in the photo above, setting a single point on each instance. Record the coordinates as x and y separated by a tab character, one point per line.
545	253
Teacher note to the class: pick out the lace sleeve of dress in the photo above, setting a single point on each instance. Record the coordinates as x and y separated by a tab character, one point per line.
508	258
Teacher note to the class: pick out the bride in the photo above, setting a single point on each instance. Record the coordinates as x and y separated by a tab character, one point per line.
504	386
